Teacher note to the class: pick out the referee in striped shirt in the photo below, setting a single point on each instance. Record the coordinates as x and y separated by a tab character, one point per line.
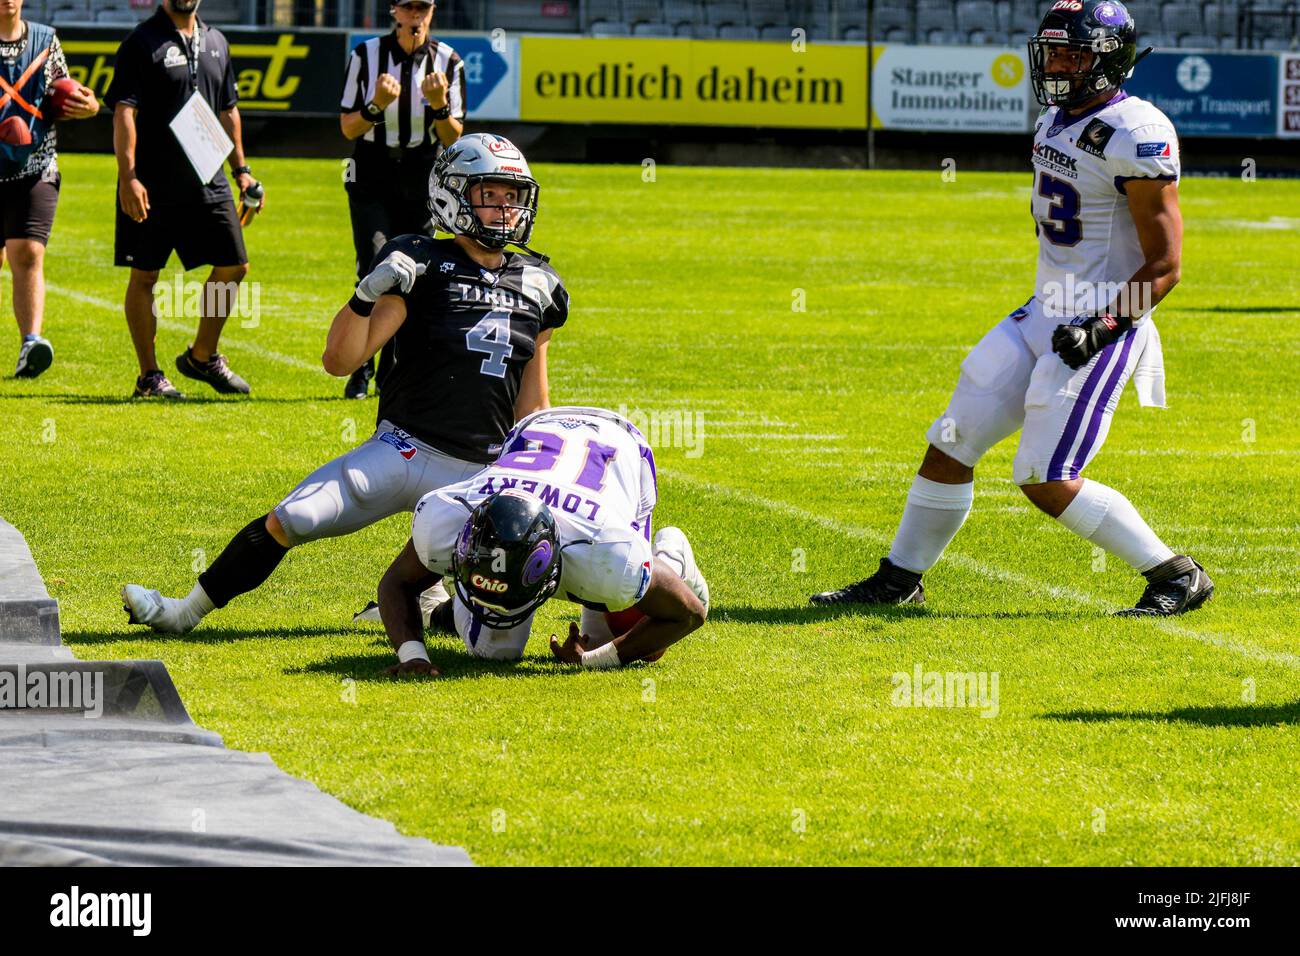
403	103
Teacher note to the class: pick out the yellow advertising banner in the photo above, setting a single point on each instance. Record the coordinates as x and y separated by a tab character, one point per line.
696	82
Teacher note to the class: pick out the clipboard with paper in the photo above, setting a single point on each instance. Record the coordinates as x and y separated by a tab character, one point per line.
202	138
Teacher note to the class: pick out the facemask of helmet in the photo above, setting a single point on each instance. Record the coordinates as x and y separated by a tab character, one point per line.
1104	40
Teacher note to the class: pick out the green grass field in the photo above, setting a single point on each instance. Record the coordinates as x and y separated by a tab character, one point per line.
769	736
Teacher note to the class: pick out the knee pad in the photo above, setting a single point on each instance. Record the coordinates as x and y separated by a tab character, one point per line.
374	473
298	519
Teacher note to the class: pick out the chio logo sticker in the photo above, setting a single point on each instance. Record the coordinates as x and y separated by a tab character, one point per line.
492	585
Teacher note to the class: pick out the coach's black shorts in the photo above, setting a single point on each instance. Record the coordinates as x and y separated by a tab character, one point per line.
202	234
28	205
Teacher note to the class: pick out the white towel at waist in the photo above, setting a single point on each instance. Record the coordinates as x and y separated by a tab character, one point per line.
1149	375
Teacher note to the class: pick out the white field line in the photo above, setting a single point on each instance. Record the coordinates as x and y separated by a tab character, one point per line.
1193	453
769	436
1278	529
170	326
1282	223
981	568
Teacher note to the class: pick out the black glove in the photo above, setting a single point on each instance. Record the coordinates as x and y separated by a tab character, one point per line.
1087	335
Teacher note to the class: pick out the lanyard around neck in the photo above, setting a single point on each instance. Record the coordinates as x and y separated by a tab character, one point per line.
192	46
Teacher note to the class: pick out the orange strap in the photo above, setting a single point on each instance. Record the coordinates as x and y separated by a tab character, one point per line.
11	93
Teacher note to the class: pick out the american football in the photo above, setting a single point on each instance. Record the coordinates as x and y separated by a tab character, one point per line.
15	132
57	98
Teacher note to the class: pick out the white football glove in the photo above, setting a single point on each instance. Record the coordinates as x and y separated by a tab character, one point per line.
397	269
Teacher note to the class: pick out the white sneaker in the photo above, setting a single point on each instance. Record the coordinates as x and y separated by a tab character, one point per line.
671	544
163	614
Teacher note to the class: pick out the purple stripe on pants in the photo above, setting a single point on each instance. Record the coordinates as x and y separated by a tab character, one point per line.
649	456
1057	464
1098	413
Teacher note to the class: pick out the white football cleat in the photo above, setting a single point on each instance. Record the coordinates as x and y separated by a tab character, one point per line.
369	613
671	544
163	614
429	600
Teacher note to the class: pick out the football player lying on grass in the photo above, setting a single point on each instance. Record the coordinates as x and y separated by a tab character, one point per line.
566	510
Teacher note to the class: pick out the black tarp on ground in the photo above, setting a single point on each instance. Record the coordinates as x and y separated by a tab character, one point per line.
137	783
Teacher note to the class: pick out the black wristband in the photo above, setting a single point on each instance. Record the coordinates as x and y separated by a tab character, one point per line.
241	170
360	306
442	114
373	113
1117	325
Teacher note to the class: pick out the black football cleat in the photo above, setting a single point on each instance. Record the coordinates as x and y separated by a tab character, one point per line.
889	585
1173	587
215	371
359	382
155	385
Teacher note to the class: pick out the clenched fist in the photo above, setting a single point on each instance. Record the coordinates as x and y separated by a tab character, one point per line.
397	269
386	90
435	88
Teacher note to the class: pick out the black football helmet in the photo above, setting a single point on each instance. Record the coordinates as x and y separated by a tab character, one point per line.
1103	27
506	563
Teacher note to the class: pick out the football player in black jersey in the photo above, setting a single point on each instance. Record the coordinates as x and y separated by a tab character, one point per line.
471	320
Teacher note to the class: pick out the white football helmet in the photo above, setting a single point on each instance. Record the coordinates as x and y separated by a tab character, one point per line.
473	159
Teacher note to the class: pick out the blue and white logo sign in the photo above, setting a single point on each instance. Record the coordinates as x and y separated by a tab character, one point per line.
1194	73
1211	94
491	71
488	65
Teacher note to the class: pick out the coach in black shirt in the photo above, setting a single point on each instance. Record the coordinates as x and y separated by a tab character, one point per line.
403	102
161	203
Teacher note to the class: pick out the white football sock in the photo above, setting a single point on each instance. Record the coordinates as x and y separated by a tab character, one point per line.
934	514
1105	517
196	604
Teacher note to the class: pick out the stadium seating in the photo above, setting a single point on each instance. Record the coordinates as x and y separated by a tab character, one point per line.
678	12
1180	23
605	28
120	11
1165	24
721	14
652	30
117	13
644	11
765	13
894	19
65	11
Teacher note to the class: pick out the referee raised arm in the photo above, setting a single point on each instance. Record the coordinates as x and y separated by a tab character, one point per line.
403	102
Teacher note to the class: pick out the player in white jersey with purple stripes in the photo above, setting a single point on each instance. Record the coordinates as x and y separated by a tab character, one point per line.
1105	207
566	510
